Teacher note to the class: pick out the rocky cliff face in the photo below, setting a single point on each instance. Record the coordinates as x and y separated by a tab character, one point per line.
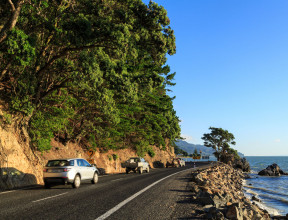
218	193
21	166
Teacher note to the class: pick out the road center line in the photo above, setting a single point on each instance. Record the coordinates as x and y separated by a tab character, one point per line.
121	204
50	197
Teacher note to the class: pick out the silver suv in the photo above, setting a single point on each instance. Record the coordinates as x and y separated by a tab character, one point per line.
69	171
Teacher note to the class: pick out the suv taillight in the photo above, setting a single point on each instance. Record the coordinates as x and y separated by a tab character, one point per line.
66	169
44	170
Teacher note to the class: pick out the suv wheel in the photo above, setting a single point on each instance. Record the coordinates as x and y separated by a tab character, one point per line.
148	169
77	182
47	185
95	178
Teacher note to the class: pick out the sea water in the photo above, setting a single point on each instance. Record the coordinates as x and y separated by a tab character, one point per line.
272	191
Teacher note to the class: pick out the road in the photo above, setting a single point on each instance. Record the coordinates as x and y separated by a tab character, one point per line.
160	194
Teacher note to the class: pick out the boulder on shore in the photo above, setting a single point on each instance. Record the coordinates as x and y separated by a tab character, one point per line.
272	170
242	164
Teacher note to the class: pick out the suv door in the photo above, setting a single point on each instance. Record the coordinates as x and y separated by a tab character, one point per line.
81	169
89	171
145	164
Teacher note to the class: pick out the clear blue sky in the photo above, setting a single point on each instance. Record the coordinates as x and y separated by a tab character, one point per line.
232	71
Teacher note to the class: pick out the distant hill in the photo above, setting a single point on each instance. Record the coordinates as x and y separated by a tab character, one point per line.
189	148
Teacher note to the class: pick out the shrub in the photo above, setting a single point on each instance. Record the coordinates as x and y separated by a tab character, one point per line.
150	152
115	156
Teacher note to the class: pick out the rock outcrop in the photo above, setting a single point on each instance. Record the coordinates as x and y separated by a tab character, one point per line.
272	170
218	191
19	165
242	164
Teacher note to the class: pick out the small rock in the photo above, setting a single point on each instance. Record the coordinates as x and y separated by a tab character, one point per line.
215	214
256	199
233	213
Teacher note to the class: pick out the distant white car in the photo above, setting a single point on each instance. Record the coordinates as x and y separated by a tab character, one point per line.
181	162
69	171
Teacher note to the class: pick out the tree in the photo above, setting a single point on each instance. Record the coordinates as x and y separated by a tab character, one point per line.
196	154
220	140
9	14
90	71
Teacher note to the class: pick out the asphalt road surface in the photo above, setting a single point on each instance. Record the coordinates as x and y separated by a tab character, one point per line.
160	194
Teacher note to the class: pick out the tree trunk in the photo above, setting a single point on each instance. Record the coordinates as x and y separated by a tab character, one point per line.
11	23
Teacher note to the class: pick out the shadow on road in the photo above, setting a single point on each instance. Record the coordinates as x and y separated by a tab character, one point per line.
185	194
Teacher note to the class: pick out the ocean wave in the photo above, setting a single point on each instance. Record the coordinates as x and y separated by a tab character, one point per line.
270	202
266	190
273	192
278	199
265	206
251	192
270	210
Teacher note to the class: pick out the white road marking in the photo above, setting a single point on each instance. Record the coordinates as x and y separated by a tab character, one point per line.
116	179
121	204
32	187
50	197
8	191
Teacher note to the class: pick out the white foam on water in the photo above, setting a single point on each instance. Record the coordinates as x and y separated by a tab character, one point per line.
248	192
254	171
251	192
270	210
267	191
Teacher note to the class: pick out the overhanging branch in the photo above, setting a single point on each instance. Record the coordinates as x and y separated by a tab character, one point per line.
11	23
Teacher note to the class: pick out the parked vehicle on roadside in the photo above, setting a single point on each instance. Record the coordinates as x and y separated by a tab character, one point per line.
181	162
136	164
173	163
69	171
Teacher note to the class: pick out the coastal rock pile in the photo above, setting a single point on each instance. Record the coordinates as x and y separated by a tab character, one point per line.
218	193
272	170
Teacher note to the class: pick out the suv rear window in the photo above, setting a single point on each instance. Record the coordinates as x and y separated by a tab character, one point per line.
60	163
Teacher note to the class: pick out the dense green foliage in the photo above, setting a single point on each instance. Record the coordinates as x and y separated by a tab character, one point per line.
220	140
91	71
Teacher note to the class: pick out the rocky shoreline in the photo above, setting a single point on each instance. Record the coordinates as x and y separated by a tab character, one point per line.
217	193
